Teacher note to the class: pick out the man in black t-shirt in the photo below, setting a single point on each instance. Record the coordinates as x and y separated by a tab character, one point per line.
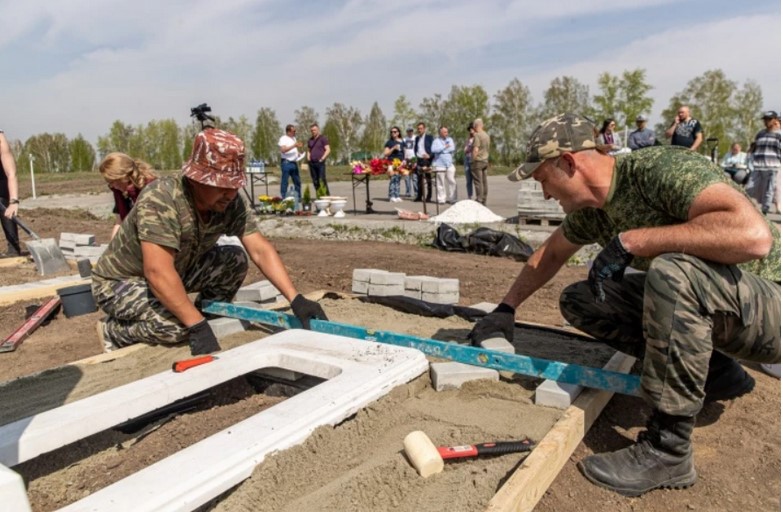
685	131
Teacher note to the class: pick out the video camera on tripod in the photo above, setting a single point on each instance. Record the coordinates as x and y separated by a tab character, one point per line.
200	113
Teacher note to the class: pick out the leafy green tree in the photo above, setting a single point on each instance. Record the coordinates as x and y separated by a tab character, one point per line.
374	135
634	99
169	143
118	139
82	154
265	135
305	117
463	105
347	123
335	143
709	98
189	132
566	94
431	112
404	115
607	103
747	103
50	152
512	122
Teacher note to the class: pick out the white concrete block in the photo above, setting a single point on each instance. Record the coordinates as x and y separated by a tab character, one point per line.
551	393
357	372
78	238
360	287
413	294
67	244
388	278
440	298
260	291
453	375
498	345
13	494
223	327
440	285
489	307
363	274
380	290
86	251
415	282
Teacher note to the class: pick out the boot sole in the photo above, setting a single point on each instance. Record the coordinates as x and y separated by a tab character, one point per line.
678	483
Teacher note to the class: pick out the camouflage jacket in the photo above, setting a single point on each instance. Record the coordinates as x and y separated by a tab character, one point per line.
655	187
165	214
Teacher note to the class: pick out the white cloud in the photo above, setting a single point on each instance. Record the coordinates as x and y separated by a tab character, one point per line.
151	60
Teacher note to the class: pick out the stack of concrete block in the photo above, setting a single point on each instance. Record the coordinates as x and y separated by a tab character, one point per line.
382	283
413	286
531	203
440	290
262	292
76	246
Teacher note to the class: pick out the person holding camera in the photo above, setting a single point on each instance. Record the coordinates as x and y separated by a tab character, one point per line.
167	248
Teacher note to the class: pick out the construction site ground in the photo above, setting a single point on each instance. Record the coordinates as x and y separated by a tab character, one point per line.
737	443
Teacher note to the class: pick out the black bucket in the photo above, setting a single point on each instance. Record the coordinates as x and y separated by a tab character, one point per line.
77	300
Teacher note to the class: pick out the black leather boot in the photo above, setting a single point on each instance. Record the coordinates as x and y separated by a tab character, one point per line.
726	379
661	457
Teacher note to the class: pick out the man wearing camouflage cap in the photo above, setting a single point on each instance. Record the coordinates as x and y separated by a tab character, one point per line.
708	290
166	248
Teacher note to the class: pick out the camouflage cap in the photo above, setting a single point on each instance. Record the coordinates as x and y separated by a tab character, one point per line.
566	133
218	159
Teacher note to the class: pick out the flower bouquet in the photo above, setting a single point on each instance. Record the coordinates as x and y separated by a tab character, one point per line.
379	166
358	167
276	205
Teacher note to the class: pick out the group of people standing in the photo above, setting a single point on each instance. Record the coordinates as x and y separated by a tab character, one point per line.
435	156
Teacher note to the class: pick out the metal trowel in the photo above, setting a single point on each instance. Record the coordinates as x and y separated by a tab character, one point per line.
46	253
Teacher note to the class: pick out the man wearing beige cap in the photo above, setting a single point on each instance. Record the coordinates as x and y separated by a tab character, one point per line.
166	248
641	137
708	290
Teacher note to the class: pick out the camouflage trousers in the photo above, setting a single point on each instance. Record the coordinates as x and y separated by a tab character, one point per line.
673	316
135	315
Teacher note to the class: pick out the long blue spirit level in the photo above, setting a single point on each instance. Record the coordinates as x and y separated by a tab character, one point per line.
597	378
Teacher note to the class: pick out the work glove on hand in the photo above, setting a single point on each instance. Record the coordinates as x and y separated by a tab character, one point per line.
201	339
500	321
306	309
610	262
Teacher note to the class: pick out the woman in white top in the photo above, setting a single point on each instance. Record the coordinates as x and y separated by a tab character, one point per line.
608	140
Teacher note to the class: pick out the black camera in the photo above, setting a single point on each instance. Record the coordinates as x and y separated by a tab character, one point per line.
200	112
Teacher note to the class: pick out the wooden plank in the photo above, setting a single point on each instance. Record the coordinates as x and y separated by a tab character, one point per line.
531	366
36	292
14	262
531	480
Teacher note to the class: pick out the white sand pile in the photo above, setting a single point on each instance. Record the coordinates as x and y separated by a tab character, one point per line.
467	212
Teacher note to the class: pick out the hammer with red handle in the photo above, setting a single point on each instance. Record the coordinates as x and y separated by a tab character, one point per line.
428	458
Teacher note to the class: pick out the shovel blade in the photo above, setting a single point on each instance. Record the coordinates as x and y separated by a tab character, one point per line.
47	255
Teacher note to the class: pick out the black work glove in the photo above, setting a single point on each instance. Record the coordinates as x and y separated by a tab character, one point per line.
610	262
306	309
201	339
500	321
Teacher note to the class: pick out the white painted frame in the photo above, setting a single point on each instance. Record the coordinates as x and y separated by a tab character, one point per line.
358	373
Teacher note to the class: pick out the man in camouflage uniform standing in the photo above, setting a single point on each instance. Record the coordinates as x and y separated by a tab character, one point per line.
166	248
709	290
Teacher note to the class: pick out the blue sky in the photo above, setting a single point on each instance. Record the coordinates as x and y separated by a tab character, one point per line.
76	66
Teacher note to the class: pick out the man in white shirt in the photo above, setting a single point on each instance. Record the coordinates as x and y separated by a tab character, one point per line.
289	167
443	163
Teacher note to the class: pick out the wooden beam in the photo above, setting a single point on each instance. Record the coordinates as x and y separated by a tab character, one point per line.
14	262
528	484
11	294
